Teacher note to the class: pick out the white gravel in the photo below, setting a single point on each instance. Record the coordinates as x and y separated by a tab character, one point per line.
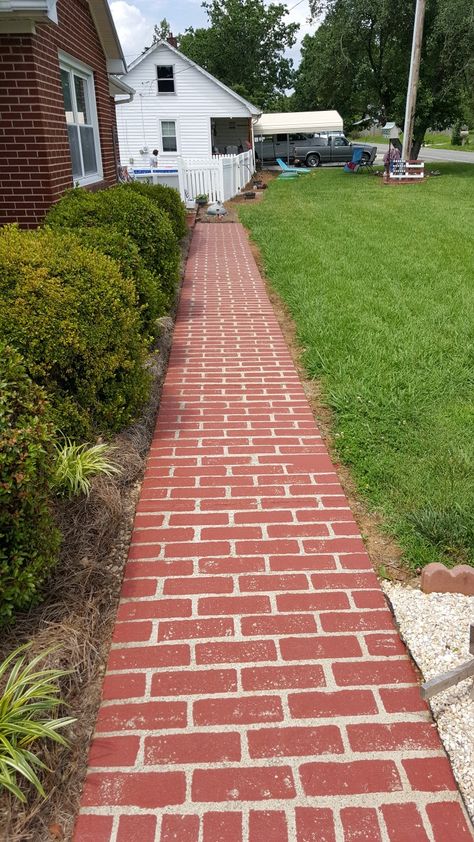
435	627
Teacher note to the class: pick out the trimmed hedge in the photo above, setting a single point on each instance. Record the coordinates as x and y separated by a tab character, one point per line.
131	214
74	319
151	299
167	199
29	541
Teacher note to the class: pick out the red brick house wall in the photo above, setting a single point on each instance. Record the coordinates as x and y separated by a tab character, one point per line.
35	164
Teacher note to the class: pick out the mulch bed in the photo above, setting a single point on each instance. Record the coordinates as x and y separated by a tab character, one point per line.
78	613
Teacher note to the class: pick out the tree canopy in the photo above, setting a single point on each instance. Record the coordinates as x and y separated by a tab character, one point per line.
358	61
244	47
161	31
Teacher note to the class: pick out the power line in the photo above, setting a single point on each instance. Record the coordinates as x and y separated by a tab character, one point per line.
294	7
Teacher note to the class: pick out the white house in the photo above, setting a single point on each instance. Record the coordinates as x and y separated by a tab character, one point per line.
203	130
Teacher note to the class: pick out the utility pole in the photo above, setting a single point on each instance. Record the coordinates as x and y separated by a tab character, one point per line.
413	78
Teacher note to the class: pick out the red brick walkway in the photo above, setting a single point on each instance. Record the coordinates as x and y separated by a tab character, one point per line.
256	689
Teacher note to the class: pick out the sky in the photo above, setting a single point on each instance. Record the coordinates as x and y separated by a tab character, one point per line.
135	20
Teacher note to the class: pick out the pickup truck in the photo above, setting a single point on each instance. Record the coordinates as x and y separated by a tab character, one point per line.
310	150
330	150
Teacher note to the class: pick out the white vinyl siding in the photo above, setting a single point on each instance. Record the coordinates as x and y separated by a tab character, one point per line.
80	113
197	99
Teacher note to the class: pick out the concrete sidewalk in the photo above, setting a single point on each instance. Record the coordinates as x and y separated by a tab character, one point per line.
256	689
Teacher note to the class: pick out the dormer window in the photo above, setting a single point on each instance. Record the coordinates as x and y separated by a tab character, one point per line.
165	76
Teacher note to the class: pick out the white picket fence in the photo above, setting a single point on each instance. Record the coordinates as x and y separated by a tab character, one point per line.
219	177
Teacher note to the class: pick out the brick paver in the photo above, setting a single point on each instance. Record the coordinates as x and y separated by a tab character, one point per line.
256	688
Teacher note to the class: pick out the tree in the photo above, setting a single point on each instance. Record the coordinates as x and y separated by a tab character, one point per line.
161	31
244	47
358	61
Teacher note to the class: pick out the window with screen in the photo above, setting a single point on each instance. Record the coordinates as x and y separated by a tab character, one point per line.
169	142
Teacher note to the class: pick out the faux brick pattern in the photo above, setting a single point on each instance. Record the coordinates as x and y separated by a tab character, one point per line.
256	687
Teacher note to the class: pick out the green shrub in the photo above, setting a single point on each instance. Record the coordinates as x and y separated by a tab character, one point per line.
151	298
74	319
29	542
456	139
123	209
168	200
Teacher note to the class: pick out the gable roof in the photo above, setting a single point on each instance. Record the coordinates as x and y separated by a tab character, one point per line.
251	108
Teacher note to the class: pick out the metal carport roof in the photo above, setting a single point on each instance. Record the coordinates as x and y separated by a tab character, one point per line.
298	121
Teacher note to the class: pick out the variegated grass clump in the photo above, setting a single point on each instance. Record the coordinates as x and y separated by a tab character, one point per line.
77	464
28	704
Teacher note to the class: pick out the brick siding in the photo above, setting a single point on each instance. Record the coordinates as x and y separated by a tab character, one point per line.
35	167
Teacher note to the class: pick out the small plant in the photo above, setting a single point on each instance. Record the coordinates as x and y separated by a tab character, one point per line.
27	704
76	464
202	199
456	139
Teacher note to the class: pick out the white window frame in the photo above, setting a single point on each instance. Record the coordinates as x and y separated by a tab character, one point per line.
72	65
176	123
166	93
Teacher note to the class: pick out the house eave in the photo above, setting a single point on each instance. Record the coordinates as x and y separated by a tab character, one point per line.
107	33
21	15
119	88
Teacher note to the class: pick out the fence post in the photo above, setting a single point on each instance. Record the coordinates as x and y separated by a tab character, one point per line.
180	168
220	171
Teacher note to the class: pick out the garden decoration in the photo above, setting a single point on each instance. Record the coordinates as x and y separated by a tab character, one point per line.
217	209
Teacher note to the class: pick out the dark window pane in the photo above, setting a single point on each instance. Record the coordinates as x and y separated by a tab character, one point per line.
88	150
165	79
165	86
165	71
73	133
169	144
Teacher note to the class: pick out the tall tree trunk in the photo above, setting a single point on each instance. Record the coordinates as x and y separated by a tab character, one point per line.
418	138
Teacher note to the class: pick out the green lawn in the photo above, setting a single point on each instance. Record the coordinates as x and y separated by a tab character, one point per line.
442	141
380	282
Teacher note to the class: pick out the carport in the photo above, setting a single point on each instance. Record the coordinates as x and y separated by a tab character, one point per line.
307	122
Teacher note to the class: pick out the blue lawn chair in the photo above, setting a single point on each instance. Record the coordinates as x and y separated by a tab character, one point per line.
285	168
354	165
284	176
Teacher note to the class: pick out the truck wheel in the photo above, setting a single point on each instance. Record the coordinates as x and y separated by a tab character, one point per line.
313	160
